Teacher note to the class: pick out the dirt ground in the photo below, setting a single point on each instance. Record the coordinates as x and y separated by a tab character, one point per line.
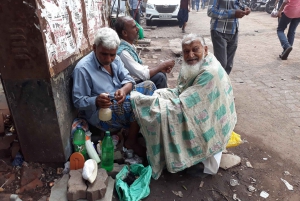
268	128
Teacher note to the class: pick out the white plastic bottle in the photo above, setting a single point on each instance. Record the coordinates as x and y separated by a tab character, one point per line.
91	151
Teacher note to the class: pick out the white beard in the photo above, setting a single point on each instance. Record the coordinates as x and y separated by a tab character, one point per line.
190	71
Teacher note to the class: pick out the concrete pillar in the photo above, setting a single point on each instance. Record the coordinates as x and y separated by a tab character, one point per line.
40	42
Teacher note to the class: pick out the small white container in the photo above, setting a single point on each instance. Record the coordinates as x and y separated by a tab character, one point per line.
91	151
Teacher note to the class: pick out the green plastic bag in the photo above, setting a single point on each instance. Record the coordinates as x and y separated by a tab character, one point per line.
141	30
139	189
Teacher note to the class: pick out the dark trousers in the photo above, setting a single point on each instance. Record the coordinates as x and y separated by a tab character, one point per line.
135	12
160	80
287	40
224	46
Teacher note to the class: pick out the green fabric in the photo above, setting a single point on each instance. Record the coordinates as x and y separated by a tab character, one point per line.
139	189
126	46
188	124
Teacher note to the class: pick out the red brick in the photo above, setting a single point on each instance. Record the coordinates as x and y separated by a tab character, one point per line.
30	186
29	174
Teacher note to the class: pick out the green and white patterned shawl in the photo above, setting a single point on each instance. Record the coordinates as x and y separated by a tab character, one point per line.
185	125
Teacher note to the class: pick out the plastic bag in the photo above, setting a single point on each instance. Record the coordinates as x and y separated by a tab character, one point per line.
141	30
274	13
235	140
139	189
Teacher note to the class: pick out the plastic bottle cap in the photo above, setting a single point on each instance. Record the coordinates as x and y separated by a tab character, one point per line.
107	133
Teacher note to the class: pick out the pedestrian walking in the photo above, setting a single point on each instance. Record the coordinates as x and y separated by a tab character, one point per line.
183	13
224	26
203	2
197	5
193	4
289	14
135	10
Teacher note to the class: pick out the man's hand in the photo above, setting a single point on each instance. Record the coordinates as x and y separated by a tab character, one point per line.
279	14
103	101
120	95
240	13
247	10
167	66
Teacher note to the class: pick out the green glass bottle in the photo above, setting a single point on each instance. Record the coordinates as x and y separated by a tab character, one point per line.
107	160
79	141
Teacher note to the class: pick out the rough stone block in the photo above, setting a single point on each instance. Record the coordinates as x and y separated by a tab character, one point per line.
109	190
229	161
97	189
76	185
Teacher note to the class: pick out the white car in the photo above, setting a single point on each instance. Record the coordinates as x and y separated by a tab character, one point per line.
161	10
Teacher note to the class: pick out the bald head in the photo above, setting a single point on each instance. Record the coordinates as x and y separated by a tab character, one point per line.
120	24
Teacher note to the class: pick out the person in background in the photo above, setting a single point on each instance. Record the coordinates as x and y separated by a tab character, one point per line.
193	4
197	5
128	33
135	9
203	2
100	80
183	14
289	14
224	25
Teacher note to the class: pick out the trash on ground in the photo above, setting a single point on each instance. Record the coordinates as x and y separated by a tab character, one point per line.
178	193
18	160
59	170
185	188
251	188
289	186
234	182
201	184
229	161
286	173
264	194
67	168
252	180
234	197
265	159
248	164
135	160
235	140
130	178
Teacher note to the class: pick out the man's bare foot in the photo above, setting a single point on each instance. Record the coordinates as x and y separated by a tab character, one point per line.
136	147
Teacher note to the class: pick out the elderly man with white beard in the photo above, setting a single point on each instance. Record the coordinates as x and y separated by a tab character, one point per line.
191	123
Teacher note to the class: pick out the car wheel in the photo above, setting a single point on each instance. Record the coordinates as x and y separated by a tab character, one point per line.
148	22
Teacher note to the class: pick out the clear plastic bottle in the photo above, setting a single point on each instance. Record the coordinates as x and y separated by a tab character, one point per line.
79	141
105	113
107	160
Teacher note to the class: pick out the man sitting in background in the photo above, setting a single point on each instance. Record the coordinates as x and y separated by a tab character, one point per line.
193	122
128	32
100	77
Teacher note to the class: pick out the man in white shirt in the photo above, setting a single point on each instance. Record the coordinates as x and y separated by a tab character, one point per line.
128	32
